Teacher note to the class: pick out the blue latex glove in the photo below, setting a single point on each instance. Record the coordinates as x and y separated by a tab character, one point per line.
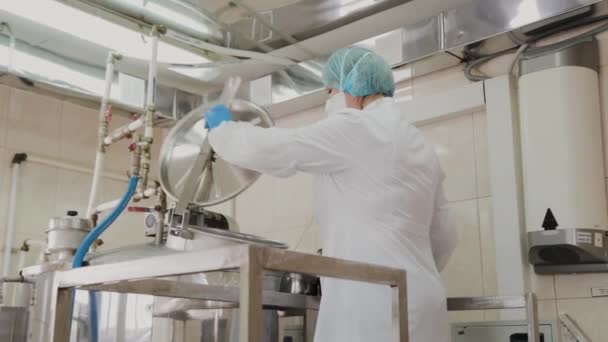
216	116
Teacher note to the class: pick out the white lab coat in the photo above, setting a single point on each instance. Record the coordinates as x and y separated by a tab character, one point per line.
378	199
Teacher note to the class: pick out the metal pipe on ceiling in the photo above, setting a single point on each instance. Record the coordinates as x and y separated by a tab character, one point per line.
432	43
432	39
176	15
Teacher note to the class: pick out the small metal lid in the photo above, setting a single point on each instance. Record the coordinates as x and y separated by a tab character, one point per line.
69	222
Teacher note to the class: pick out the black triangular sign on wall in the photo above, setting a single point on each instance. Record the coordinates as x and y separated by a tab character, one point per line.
550	223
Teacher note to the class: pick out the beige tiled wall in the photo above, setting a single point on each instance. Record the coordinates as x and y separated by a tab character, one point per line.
46	127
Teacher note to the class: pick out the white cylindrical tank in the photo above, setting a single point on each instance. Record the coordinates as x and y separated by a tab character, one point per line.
561	144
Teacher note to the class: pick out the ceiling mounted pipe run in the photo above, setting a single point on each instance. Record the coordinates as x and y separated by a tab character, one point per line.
431	36
433	44
176	15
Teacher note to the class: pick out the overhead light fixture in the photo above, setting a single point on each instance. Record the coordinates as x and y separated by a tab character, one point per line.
96	30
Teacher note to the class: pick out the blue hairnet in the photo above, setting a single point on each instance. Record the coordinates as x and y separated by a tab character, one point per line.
358	72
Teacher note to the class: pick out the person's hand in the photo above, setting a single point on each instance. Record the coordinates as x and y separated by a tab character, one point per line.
216	116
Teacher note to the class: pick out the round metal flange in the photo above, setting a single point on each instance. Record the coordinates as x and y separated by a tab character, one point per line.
218	181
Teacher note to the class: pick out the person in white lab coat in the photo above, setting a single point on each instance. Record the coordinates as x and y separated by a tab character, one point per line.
378	196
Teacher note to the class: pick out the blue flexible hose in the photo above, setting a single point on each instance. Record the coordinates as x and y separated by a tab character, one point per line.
93	235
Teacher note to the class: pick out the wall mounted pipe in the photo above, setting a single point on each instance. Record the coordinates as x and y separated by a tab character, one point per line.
104	121
12	208
190	20
124	131
148	137
73	167
436	42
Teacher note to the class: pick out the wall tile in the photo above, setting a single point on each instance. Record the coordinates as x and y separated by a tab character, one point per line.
273	204
73	188
303	118
35	123
118	157
129	227
547	310
454	143
463	274
542	285
488	249
36	197
159	137
4	105
439	81
287	236
404	91
4	196
589	314
78	134
578	285
310	242
466	316
254	209
292	202
603	45
32	256
4	189
604	109
481	154
223	208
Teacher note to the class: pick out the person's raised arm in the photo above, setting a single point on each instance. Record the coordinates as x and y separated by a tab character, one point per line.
324	147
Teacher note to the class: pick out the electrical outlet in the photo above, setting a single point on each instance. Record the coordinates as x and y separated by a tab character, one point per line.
599	292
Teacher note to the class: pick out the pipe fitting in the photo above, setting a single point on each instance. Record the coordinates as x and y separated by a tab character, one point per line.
136	160
113	57
161	211
157	30
123	132
18	279
18	158
147	193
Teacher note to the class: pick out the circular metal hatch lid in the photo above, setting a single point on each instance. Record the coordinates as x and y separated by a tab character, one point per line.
218	181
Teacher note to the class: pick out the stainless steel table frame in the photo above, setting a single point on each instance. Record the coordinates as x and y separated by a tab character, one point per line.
528	302
52	306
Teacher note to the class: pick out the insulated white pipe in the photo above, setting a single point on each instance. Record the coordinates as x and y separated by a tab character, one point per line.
152	80
10	226
21	259
124	131
149	192
99	160
106	206
103	131
148	137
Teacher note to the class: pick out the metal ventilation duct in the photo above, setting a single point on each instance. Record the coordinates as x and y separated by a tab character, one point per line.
433	43
179	16
299	20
